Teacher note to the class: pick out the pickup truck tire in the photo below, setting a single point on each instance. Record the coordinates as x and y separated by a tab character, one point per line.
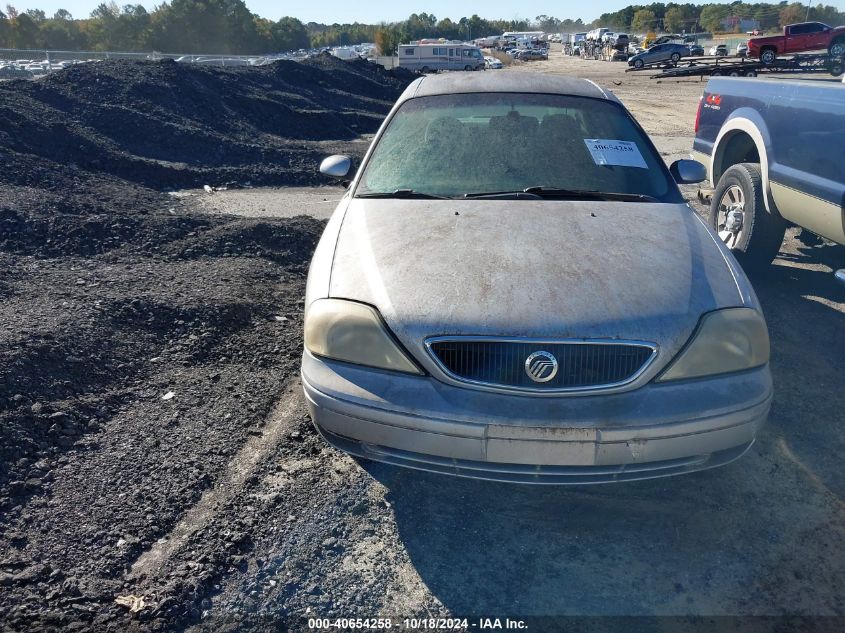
738	215
768	56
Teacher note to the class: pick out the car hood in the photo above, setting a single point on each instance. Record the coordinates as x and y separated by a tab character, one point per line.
544	269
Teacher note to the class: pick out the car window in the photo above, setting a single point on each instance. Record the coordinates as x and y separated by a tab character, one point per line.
451	145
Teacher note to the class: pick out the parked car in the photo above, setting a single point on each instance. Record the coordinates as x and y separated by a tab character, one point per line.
530	54
669	52
491	62
695	50
591	329
774	152
799	38
719	50
12	71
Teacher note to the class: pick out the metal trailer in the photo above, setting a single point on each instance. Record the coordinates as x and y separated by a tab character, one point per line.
743	67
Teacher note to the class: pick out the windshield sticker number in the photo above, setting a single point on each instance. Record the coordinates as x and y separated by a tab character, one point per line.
607	151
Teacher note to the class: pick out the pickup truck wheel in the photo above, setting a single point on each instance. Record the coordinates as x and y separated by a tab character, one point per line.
738	214
768	56
837	48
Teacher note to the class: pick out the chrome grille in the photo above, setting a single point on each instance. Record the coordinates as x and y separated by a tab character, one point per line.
581	364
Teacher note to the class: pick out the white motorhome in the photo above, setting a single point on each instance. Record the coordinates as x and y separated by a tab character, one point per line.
596	34
519	35
426	56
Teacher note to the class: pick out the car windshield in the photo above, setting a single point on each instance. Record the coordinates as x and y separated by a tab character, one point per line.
465	144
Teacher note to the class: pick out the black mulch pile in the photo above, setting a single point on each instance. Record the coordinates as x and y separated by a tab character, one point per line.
165	124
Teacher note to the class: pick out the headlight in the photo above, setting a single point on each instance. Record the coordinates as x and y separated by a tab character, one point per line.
725	341
353	332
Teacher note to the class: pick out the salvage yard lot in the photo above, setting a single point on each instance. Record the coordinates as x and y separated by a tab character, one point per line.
220	506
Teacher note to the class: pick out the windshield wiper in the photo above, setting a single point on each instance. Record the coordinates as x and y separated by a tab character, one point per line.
555	192
402	193
503	195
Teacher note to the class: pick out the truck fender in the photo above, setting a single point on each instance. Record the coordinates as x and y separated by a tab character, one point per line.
748	121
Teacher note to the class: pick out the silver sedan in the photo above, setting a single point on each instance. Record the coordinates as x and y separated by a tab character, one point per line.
667	52
550	313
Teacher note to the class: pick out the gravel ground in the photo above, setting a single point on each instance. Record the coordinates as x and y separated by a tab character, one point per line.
219	508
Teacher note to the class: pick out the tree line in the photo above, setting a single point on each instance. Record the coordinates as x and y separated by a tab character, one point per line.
178	26
675	18
228	26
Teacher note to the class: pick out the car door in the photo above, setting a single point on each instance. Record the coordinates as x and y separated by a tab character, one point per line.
817	36
807	129
657	54
797	38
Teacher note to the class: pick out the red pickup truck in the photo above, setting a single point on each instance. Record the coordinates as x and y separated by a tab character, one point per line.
798	38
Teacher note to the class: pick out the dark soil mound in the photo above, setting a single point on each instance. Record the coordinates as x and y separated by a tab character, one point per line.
144	342
84	325
164	124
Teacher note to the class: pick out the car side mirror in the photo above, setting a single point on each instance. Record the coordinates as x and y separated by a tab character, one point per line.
840	275
688	172
337	166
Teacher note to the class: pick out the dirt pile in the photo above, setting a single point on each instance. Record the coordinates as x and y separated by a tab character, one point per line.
144	343
138	353
164	124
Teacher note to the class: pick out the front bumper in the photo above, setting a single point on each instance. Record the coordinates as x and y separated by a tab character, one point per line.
419	422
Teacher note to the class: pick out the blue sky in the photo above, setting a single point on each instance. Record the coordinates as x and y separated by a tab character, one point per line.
371	11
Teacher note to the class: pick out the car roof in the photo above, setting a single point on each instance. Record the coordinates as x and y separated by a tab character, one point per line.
468	82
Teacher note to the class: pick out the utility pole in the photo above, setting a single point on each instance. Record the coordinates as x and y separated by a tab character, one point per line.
808	11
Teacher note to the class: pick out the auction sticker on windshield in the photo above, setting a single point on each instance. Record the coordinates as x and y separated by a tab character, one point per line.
607	151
